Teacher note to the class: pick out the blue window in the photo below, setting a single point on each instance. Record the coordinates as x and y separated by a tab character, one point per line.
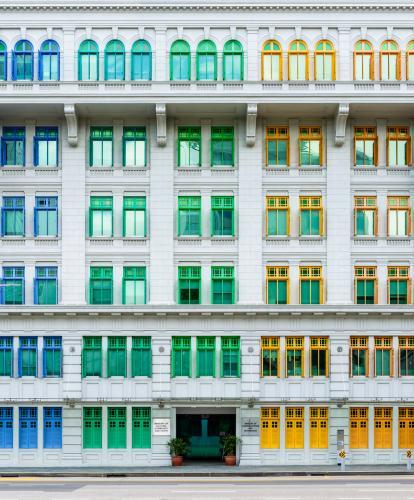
13	145
22	62
6	427
49	67
52	427
45	286
141	61
46	147
27	427
52	356
6	356
46	216
12	291
12	216
3	61
28	357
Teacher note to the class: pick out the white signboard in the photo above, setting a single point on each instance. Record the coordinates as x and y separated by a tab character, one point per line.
161	427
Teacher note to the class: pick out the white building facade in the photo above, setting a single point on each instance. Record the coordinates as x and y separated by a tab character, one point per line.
206	229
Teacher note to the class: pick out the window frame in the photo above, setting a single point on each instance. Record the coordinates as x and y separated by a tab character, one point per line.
28	345
135	135
311	273
15	275
219	276
182	49
49	48
233	48
189	205
48	135
93	345
278	274
399	134
134	204
270	345
28	433
230	344
13	135
324	52
48	204
17	206
364	134
321	346
359	416
117	433
294	434
116	355
114	49
92	439
104	275
141	427
276	134
190	135
405	343
311	134
406	437
187	275
100	204
270	428
181	345
296	50
101	135
318	428
365	274
6	357
3	61
311	204
383	344
206	344
135	274
277	204
219	137
52	427
221	204
23	49
386	53
88	48
140	345
145	50
273	50
359	343
210	52
399	274
360	52
365	204
48	275
409	61
6	428
296	344
52	345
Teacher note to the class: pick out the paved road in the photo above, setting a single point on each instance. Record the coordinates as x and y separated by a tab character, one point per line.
295	488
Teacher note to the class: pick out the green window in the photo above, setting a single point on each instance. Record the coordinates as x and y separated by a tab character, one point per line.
135	216
222	216
100	216
92	357
134	143
189	216
398	291
117	427
189	285
277	146
365	290
383	358
92	428
206	356
311	285
180	61
233	66
277	215
45	285
222	146
134	285
27	357
141	427
52	357
141	357
277	284
88	61
115	60
206	60
6	356
189	146
181	357
101	285
101	147
222	285
117	352
230	357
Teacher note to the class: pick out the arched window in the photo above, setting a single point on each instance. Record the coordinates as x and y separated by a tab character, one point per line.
410	60
180	61
324	61
49	61
3	61
363	61
141	61
88	61
206	60
390	59
272	61
233	60
22	63
115	60
298	58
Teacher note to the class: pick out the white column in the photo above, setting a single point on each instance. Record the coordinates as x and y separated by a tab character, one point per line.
161	55
382	142
252	72
69	57
345	59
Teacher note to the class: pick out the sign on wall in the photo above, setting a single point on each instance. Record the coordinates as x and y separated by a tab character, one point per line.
161	427
250	426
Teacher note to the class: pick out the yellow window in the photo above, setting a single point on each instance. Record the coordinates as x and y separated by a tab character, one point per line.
359	356
319	355
298	61
399	285
383	428
277	285
270	428
272	61
319	427
311	285
399	216
310	146
277	216
405	428
294	356
365	146
294	433
358	433
366	285
398	146
277	146
270	356
410	60
363	61
324	61
365	216
406	356
390	61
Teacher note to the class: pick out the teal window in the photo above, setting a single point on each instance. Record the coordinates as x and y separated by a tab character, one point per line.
366	285
365	208
88	61
222	216
13	216
135	217
230	357
45	286
277	215
181	356
12	291
310	146
46	147
398	291
206	60
49	67
3	61
383	356
222	285
222	146
13	146
116	356
92	357
22	62
206	357
100	216
27	357
141	427
52	356
189	146
365	145
180	61
101	147
141	357
134	147
277	281
92	428
141	61
101	285
189	285
189	216
311	222
46	216
233	66
311	285
294	356
134	285
6	356
277	146
115	60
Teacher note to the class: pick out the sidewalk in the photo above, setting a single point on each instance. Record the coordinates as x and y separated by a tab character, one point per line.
204	470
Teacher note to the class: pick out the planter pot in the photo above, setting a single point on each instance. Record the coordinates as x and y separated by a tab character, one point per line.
176	461
230	459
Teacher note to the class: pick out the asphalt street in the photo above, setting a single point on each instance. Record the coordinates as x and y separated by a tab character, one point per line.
232	488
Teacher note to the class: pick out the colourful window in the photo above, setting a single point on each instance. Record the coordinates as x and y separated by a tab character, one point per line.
398	146
13	146
12	291
116	357
277	146
319	428
49	61
230	356
22	61
410	60
365	285
92	428
277	216
358	433
363	61
359	356
270	356
180	61
365	146
390	61
52	356
405	428
6	356
101	147
134	285
325	64
298	61
222	285
310	146
141	427
272	61
115	60
366	218
399	216
117	423
181	357
189	146
270	428
384	357
189	285
45	286
206	60
46	216
206	356
101	285
92	357
311	216
6	427
222	146
406	356
27	428
134	141
3	61
27	357
319	356
233	65
189	216
399	285
277	285
294	356
383	428
311	285
13	216
141	61
294	428
222	216
88	61
52	428
134	217
46	147
141	357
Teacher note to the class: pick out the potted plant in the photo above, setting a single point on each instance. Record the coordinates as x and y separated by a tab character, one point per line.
229	449
178	448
